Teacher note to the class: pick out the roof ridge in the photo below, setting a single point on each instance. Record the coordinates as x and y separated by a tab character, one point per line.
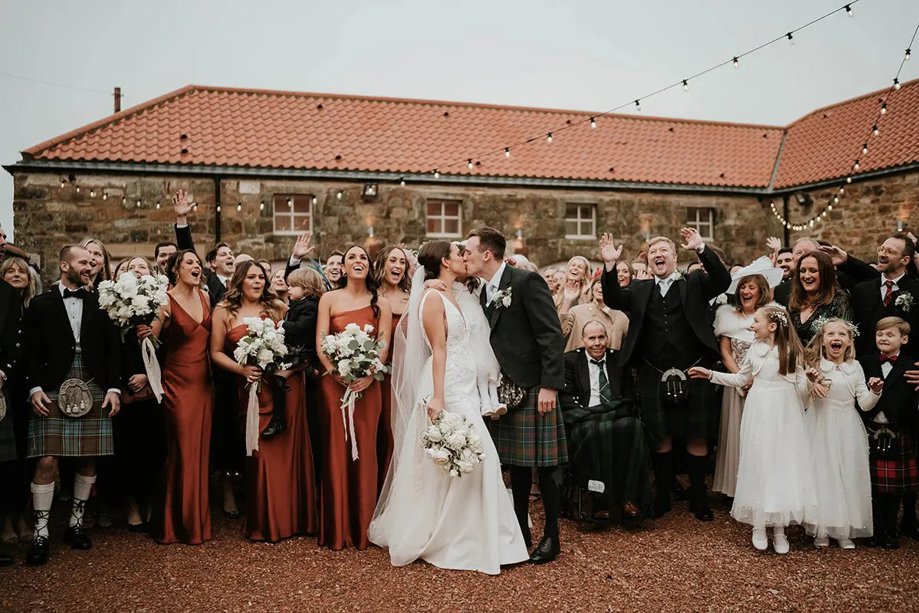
914	82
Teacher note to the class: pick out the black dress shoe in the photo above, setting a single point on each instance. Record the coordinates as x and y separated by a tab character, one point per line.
547	550
891	542
6	560
703	513
275	426
873	541
38	552
77	538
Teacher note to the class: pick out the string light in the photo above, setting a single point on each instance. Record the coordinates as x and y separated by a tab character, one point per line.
157	204
736	61
92	193
124	201
437	173
507	152
874	130
637	105
239	206
402	182
549	138
62	184
105	195
78	189
842	190
896	84
314	201
469	164
856	166
883	111
848	10
865	149
218	208
685	85
791	39
290	203
261	206
593	123
138	204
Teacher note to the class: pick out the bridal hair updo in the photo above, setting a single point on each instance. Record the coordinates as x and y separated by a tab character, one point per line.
430	255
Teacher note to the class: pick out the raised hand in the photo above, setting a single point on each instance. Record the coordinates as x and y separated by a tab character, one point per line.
773	243
572	291
836	254
181	205
692	239
876	385
609	253
642	275
303	246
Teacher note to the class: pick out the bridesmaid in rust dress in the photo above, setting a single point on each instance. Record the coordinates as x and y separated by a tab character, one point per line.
391	272
280	491
348	491
184	325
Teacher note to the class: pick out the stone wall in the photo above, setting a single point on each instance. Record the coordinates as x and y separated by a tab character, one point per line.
48	216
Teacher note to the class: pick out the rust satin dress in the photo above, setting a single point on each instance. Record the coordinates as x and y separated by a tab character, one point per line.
188	406
280	489
384	436
348	491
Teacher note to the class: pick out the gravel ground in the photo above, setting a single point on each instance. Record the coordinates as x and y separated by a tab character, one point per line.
674	563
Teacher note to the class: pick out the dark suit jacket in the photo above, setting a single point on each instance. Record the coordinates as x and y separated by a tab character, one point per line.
215	287
899	398
300	323
50	345
10	328
527	335
868	308
696	289
577	379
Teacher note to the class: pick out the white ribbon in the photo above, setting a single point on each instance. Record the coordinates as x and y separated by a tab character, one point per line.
252	432
152	366
347	418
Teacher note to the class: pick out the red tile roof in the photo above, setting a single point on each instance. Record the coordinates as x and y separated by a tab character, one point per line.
199	125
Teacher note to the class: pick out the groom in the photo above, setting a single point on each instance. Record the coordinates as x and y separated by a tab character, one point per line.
527	340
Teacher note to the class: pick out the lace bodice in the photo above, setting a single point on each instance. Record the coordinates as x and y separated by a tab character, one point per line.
460	371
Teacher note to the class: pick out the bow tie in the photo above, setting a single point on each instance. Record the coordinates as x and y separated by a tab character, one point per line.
75	293
889	358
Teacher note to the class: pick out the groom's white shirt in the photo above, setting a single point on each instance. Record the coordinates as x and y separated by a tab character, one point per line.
492	285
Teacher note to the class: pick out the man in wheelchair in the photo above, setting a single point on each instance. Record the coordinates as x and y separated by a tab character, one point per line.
607	444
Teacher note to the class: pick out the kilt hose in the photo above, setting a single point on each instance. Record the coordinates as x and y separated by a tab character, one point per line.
62	436
524	437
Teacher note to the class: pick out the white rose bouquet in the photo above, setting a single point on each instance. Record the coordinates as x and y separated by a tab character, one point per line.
262	346
451	442
132	301
355	354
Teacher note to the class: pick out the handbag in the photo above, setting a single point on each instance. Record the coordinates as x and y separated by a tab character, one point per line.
510	393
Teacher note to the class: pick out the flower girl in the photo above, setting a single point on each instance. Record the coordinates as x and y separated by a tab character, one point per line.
839	443
775	485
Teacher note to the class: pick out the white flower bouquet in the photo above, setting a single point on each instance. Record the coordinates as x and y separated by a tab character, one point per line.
262	346
132	301
452	444
355	354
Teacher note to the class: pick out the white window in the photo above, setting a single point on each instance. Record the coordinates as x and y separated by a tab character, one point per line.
703	221
581	221
445	218
293	214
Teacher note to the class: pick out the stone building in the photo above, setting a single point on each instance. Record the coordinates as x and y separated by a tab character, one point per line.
264	166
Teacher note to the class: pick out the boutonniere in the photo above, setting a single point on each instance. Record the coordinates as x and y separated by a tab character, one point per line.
502	299
904	301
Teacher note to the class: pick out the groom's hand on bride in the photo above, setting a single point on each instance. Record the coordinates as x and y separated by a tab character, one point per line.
435	407
547	400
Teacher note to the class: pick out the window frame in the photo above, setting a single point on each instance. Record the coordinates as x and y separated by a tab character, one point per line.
443	217
580	221
279	203
693	215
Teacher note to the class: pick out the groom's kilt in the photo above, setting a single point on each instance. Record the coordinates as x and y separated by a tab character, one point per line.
524	437
695	418
63	436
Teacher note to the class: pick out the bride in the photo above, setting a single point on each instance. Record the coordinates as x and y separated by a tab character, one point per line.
464	523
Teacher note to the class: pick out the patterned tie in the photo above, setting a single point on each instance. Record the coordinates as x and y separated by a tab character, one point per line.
889	293
605	396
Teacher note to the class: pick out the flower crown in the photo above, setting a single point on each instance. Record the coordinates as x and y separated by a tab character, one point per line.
817	326
778	317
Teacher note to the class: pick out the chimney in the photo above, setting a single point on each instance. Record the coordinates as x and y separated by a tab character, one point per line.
117	96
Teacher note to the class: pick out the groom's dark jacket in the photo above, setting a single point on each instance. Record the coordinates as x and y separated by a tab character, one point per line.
526	336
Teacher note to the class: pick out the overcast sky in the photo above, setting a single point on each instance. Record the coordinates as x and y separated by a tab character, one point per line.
574	54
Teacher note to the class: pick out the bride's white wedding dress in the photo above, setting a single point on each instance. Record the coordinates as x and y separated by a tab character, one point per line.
464	523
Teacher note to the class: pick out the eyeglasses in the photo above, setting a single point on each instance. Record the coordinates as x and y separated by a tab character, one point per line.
882	250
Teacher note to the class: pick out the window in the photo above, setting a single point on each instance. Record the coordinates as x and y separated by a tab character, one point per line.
703	221
293	214
581	221
445	218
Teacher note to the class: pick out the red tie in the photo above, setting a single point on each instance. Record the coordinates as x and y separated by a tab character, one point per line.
889	293
889	358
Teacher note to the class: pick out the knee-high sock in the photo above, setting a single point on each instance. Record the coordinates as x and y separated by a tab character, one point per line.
42	497
82	487
697	466
548	488
662	464
521	480
909	511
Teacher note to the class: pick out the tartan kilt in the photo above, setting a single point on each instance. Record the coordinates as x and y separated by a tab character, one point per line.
523	437
898	473
696	418
62	436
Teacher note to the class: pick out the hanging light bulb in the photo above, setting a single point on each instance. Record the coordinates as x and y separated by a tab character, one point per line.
507	152
92	193
874	130
138	204
791	39
78	189
549	138
637	105
848	179
239	206
896	84
402	182
848	10
865	149
124	201
436	174
593	123
104	195
157	204
908	54
856	165
314	201
883	112
685	85
823	214
842	190
835	199
469	164
261	206
218	208
829	208
736	61
290	202
62	184
340	195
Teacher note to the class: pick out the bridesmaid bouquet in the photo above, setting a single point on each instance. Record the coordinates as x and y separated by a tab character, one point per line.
132	301
452	444
354	354
262	346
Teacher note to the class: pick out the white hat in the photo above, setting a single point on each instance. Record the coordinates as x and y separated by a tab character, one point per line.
760	266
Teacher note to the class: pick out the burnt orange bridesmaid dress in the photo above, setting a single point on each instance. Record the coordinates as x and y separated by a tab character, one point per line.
384	436
280	489
188	405
348	490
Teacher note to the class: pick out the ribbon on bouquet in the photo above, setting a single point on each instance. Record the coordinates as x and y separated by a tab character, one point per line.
152	366
347	418
252	432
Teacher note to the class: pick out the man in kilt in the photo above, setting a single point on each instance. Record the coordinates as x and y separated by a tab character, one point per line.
669	332
891	425
526	337
72	367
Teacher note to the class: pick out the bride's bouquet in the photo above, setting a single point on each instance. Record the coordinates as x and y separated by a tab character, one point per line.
132	301
451	442
354	354
262	346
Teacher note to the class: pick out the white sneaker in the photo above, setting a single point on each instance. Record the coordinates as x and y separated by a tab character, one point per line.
780	543
822	541
760	541
846	544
